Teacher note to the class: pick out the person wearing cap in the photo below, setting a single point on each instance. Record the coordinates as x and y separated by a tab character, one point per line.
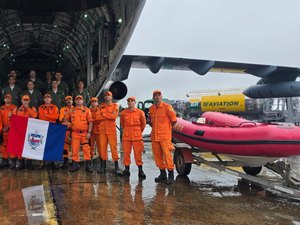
95	138
108	133
162	118
48	112
81	125
133	123
58	96
6	112
81	91
35	95
13	89
26	111
65	118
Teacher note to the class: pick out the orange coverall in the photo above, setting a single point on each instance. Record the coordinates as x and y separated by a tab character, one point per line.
95	137
1	124
48	113
2	145
133	123
6	113
26	112
162	118
80	118
107	129
65	118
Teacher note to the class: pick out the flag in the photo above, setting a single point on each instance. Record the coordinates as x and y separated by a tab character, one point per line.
36	139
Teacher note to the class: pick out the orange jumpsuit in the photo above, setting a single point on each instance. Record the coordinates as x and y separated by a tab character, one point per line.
2	145
107	129
80	118
95	138
162	118
26	112
133	123
6	112
1	124
65	118
48	113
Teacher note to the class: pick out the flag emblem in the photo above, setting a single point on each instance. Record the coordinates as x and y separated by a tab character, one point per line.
35	139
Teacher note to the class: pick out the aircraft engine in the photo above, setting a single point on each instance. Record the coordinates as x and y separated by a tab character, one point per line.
275	90
117	88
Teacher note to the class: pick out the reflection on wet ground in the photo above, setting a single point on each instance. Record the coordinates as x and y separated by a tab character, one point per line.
205	197
22	198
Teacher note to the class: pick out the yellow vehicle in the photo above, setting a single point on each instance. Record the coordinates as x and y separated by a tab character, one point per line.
236	104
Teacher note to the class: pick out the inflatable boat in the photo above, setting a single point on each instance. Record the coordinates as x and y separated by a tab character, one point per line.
222	133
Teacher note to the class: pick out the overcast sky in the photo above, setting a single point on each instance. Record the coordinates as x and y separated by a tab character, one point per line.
256	31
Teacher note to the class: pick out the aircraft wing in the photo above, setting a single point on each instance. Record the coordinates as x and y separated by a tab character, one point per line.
271	75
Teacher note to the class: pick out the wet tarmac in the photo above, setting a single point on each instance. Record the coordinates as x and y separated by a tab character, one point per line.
206	196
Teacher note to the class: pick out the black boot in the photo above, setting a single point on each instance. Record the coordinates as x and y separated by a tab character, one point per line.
29	164
13	163
117	171
126	171
142	175
100	169
74	167
65	163
104	166
162	177
20	165
4	163
42	165
88	166
56	165
170	177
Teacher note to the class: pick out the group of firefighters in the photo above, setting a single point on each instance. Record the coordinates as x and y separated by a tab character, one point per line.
87	127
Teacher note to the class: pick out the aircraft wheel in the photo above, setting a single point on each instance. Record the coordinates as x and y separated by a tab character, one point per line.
182	167
252	170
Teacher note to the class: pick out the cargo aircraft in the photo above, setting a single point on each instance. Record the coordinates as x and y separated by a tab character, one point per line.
86	39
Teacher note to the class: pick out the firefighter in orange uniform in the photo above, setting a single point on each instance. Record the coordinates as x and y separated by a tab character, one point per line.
133	123
95	138
6	112
65	118
81	125
162	117
26	111
108	133
48	112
